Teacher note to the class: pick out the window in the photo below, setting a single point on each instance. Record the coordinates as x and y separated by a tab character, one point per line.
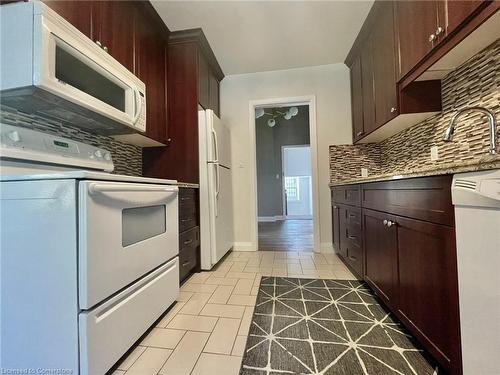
292	188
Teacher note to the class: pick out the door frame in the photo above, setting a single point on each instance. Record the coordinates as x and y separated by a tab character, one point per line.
283	194
309	100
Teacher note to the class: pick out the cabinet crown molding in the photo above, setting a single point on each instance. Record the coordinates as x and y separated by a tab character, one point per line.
198	37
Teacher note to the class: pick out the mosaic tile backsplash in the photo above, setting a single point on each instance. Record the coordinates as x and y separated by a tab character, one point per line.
475	83
126	158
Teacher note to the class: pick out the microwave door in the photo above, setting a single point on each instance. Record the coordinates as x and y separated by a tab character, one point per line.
80	72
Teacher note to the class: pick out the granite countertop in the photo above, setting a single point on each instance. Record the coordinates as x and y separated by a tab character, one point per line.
188	185
488	162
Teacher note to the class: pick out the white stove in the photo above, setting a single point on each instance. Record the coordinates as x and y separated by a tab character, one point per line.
89	259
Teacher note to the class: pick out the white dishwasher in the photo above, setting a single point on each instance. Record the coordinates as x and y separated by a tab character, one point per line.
476	197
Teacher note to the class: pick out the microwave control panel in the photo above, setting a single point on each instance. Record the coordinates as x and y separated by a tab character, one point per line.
33	146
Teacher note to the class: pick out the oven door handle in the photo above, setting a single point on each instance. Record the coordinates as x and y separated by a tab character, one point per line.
97	188
109	190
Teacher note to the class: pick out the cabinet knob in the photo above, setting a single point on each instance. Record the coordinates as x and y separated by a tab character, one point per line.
358	134
439	30
385	222
390	223
105	48
432	37
98	43
393	109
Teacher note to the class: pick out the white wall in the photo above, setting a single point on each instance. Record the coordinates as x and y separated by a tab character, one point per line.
330	85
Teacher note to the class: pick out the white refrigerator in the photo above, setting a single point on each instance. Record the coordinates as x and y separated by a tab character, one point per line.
216	197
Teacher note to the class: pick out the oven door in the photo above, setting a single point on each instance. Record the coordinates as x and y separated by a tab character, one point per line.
125	231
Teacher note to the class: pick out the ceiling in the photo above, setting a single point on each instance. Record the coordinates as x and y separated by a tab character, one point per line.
256	36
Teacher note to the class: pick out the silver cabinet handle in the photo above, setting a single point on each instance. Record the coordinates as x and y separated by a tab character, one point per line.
188	242
432	37
385	222
393	109
105	48
359	134
390	223
439	30
98	43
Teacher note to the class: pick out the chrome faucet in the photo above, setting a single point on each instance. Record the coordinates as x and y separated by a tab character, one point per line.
448	133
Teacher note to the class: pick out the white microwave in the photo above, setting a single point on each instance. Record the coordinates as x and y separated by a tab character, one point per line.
50	68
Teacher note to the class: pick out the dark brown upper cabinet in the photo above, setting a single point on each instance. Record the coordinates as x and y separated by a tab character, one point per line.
193	75
78	13
380	106
203	81
358	129
151	68
459	11
214	101
384	65
417	31
368	85
113	29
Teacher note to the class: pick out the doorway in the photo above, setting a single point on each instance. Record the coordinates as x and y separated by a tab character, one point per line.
284	178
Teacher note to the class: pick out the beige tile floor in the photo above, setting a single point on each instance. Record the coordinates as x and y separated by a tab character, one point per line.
205	332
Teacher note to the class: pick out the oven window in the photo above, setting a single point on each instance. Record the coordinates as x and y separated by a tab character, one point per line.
141	223
76	73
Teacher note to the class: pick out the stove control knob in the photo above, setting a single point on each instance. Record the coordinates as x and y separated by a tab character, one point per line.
98	154
107	156
14	136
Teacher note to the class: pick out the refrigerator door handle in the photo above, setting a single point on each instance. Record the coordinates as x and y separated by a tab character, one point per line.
216	146
217	187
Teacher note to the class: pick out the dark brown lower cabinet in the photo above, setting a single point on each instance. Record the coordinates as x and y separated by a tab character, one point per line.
428	287
336	227
381	255
189	232
403	231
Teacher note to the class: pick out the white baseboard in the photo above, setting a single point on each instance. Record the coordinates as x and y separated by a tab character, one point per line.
263	219
244	246
327	247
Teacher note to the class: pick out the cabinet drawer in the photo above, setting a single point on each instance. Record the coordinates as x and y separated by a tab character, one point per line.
189	238
187	200
353	216
187	261
353	234
355	257
187	220
425	198
347	195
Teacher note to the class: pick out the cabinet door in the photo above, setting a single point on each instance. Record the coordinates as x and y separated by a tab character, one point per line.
368	83
458	11
336	228
428	285
416	23
78	13
151	63
343	245
214	94
113	23
380	243
203	81
384	65
356	99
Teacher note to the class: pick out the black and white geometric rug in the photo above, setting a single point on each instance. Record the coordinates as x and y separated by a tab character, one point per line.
308	326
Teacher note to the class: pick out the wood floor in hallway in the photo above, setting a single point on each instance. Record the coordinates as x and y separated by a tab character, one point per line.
286	235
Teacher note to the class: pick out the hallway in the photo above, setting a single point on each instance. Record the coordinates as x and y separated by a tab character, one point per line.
286	235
